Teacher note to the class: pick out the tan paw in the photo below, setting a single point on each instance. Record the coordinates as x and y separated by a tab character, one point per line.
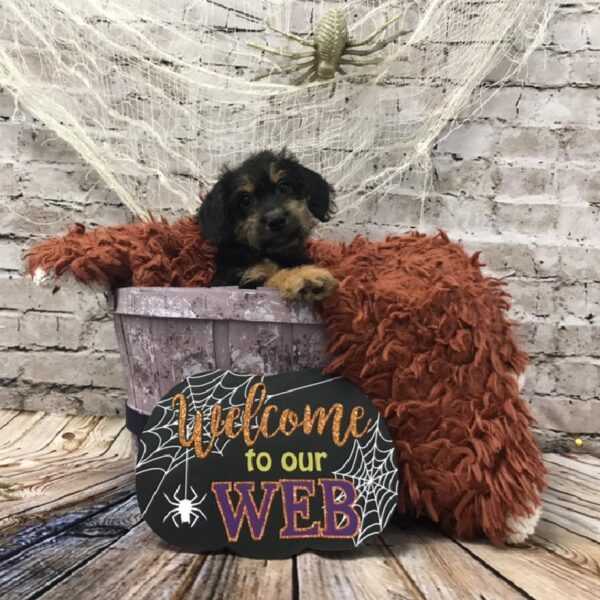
303	283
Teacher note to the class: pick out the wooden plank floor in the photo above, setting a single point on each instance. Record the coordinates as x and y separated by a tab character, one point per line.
70	527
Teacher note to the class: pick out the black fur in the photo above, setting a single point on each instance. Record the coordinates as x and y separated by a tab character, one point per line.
278	234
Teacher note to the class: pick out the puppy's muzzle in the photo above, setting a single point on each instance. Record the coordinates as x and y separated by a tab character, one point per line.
276	221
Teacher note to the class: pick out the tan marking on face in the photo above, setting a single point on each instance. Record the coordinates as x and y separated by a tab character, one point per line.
300	211
275	174
246	184
247	231
261	272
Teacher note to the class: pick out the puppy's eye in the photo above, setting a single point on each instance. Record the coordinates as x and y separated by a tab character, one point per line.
285	187
246	200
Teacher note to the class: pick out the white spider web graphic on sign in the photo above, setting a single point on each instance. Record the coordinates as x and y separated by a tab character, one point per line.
160	447
373	472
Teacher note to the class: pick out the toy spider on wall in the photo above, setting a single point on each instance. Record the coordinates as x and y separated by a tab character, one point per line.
329	45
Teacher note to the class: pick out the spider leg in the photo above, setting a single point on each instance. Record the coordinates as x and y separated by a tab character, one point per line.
341	71
175	520
373	35
312	73
176	494
281	70
169	500
169	514
377	46
193	492
291	36
293	55
349	61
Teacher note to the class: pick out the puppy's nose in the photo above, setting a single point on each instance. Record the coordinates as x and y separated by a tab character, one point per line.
276	222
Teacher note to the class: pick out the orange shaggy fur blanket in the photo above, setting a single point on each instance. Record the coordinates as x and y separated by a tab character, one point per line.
415	325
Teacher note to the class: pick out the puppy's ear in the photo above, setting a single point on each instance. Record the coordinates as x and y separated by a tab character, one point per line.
211	214
320	194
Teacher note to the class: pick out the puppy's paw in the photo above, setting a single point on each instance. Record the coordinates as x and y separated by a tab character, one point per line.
304	283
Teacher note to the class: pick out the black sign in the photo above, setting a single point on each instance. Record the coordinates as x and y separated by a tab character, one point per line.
266	465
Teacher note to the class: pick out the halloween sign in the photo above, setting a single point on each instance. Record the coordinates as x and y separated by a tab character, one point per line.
266	465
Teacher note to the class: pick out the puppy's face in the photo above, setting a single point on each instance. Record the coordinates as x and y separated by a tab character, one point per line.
270	203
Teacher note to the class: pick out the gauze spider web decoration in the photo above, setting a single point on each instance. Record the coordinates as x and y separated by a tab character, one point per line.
157	94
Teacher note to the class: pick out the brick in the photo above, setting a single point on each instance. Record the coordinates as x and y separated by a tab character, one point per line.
580	143
20	293
579	184
50	330
469	141
498	103
525	215
537	337
517	180
10	141
9	329
462	215
535	297
73	368
10	255
578	337
581	300
584	68
522	260
580	263
527	142
566	414
579	222
40	144
101	336
579	106
466	176
569	32
11	364
8	179
578	377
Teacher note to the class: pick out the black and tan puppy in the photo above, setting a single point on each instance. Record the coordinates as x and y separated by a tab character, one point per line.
260	215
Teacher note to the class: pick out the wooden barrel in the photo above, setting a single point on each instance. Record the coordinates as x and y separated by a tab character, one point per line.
166	334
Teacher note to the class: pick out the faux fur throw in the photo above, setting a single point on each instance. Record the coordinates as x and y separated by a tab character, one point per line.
416	326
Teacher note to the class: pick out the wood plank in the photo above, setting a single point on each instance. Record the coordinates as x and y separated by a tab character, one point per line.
7	415
572	499
98	463
225	576
366	572
430	559
148	563
562	542
13	540
36	568
17	427
538	572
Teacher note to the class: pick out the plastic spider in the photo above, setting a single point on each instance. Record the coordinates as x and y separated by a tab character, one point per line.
329	45
187	509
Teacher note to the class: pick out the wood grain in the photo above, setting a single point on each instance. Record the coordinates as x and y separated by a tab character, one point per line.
430	559
368	572
42	565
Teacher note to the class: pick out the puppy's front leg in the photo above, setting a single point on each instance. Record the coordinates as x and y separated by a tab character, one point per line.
259	273
303	283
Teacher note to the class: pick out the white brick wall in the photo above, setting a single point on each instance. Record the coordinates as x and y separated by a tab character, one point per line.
520	181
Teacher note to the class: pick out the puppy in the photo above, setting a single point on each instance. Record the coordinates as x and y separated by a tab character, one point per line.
260	215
